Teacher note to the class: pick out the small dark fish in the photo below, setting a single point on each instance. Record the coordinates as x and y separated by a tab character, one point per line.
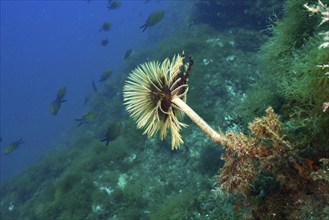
105	75
87	118
106	26
153	19
61	94
114	5
56	104
13	146
0	138
54	107
94	86
112	132
128	52
104	42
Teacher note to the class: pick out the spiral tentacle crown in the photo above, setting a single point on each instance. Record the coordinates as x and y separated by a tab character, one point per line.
148	92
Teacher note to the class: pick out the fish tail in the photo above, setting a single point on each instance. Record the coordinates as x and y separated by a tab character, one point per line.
106	139
144	26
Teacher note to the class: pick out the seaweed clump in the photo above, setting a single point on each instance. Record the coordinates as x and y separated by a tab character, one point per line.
291	58
263	151
266	168
292	155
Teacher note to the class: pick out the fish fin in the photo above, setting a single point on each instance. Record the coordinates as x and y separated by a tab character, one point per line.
144	26
105	139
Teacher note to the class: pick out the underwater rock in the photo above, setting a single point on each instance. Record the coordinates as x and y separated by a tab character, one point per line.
222	14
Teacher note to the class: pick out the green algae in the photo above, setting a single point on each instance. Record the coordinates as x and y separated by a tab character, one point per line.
299	88
175	207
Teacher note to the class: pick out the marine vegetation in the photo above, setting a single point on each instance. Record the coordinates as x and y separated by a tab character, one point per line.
13	146
323	10
291	57
153	19
302	79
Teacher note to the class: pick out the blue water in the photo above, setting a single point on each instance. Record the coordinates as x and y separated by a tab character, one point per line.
49	44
